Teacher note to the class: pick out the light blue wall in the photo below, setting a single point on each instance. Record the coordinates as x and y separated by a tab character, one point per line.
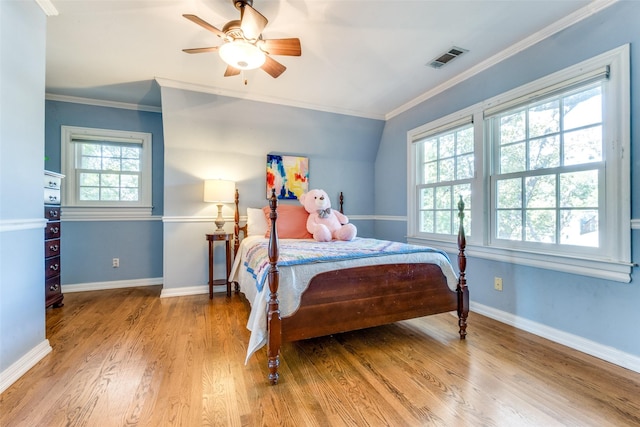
88	247
212	136
597	310
22	77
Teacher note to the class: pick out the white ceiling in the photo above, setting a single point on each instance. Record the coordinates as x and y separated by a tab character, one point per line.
362	57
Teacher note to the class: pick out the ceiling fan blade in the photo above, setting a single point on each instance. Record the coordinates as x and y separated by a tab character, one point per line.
273	67
204	24
289	47
201	49
252	22
231	71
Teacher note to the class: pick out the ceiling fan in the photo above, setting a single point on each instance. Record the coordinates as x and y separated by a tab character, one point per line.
243	47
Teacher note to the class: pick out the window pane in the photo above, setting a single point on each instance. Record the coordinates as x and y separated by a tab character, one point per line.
509	224
90	150
541	226
465	167
111	151
426	198
583	146
89	194
129	194
131	152
509	193
430	150
465	141
544	119
447	146
109	194
111	164
443	222
89	179
512	127
512	158
443	198
130	181
446	170
583	108
91	163
427	222
544	153
579	189
540	191
430	173
129	165
110	180
579	227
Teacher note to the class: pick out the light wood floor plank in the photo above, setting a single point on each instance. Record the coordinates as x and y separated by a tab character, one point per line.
126	357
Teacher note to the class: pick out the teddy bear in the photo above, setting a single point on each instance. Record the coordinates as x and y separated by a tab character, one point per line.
324	223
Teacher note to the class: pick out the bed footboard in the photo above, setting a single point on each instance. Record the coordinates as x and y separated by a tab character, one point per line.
410	291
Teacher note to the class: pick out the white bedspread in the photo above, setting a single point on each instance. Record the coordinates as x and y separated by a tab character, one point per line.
294	279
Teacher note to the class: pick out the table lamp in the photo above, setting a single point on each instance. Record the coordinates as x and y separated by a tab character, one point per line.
219	191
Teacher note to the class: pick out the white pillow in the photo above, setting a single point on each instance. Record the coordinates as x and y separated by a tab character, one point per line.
256	222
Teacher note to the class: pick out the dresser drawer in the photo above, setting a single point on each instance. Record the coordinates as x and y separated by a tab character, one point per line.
51	181
51	196
52	287
52	230
52	213
52	267
51	248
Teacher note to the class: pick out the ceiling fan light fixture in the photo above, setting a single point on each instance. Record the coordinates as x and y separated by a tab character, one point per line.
242	55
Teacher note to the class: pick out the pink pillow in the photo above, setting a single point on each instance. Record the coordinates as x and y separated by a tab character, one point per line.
291	222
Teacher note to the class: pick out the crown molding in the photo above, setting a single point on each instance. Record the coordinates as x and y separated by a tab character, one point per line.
102	103
571	19
176	84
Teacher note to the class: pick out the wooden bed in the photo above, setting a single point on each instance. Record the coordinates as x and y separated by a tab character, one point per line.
387	293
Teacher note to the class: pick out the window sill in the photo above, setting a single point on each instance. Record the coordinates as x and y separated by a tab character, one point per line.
596	268
73	213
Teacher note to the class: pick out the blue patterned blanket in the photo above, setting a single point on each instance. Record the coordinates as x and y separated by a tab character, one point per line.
296	252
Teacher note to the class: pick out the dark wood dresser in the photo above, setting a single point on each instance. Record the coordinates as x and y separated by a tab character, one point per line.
52	232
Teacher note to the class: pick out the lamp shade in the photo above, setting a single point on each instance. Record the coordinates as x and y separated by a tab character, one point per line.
219	191
242	55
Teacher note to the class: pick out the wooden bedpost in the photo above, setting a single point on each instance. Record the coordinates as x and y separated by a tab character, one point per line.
274	325
463	291
236	226
341	203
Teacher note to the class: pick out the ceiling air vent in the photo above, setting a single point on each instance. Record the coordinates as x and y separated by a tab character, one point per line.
448	56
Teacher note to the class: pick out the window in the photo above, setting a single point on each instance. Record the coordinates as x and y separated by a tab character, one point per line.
544	172
106	169
548	164
444	172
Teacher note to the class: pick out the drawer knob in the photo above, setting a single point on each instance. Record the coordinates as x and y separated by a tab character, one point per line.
53	288
54	267
53	248
53	213
53	198
54	229
53	184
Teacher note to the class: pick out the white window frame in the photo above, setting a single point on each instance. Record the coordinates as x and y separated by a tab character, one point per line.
613	259
75	209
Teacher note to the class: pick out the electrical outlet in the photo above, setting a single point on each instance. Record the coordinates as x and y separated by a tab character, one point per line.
116	262
497	283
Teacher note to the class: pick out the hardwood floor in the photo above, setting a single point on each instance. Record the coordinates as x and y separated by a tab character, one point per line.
128	358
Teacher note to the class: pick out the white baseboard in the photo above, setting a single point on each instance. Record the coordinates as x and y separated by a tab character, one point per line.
190	290
22	365
115	284
604	352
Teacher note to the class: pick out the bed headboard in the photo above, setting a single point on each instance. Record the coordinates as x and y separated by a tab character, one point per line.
237	229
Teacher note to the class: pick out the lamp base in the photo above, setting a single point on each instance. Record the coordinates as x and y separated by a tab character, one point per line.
219	222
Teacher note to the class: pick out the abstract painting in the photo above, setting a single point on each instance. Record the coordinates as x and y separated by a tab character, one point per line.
289	175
